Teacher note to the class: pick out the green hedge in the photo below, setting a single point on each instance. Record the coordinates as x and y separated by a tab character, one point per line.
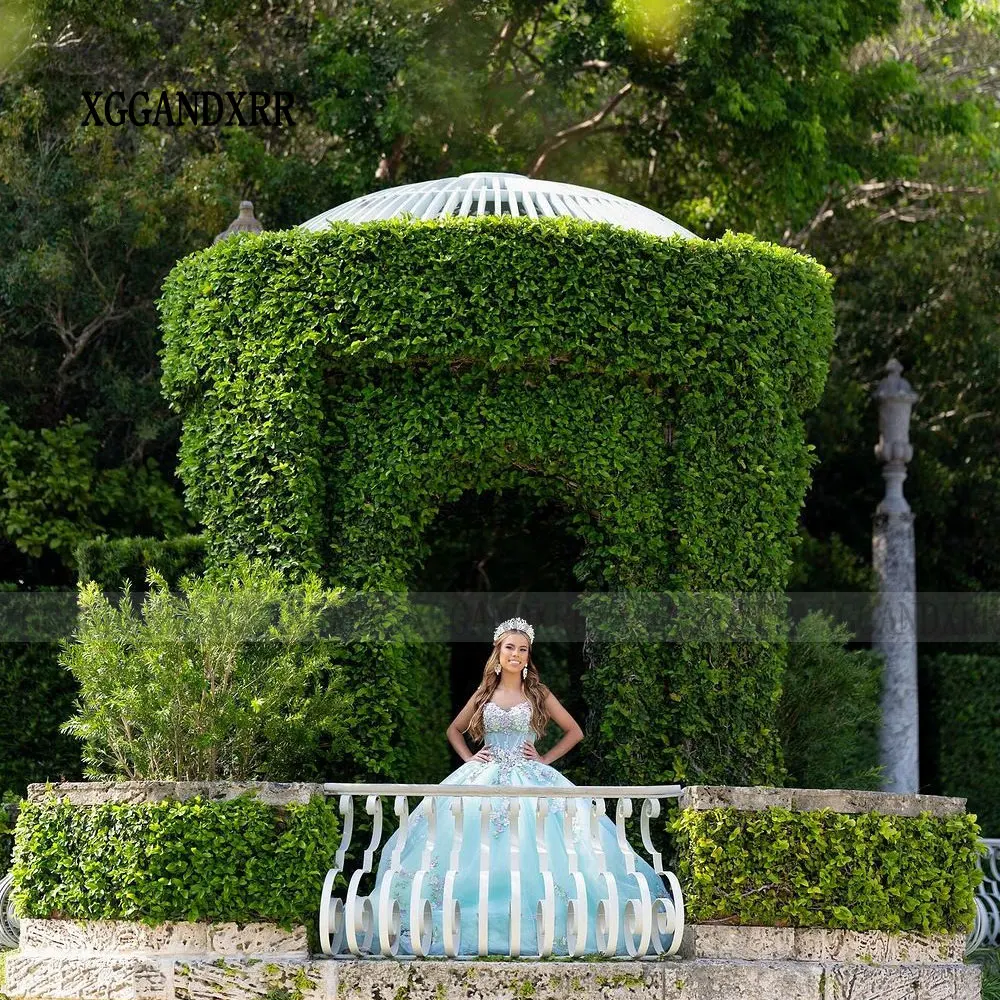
824	869
654	389
31	681
235	860
959	705
32	747
8	817
830	712
111	561
423	753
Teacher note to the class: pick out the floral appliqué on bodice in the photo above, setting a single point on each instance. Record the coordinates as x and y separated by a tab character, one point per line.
506	730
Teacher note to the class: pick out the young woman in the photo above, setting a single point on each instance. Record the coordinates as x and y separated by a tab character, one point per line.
508	711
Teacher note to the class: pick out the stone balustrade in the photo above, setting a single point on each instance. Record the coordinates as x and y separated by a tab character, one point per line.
120	960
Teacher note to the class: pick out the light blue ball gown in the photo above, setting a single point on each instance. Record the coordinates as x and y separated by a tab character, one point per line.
505	732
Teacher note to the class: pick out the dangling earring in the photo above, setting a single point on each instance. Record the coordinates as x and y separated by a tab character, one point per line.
496	669
524	674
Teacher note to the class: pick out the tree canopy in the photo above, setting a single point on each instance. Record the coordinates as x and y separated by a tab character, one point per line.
862	132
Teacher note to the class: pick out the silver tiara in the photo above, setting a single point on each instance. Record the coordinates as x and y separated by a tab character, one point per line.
514	625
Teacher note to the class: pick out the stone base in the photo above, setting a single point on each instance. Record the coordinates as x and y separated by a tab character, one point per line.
818	944
121	960
116	977
694	979
125	960
78	938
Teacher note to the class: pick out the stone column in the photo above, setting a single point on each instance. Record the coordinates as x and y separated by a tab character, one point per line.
893	556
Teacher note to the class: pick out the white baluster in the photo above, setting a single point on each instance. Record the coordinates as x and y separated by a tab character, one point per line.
606	931
388	907
545	912
637	914
331	911
421	923
452	916
485	810
360	914
979	927
668	912
576	908
993	860
650	810
514	829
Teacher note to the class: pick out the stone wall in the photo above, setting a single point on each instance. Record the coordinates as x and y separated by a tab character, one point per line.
122	960
117	960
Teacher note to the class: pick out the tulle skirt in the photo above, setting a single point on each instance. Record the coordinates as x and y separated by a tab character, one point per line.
576	887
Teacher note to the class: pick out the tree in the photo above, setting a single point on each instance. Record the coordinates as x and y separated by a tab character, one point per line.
917	263
740	114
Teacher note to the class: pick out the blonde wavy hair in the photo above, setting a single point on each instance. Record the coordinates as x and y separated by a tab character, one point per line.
535	692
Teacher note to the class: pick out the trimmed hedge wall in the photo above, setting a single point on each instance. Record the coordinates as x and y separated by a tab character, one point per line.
808	869
338	388
423	753
32	747
237	860
8	817
111	561
960	705
36	693
830	710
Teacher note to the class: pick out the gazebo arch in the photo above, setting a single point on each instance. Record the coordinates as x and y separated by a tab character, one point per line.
338	384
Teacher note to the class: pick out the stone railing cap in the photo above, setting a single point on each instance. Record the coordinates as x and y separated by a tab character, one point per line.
839	800
89	793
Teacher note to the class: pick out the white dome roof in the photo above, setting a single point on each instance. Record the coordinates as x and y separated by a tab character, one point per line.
499	194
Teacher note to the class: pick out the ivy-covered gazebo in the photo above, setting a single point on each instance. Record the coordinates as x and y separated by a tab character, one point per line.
342	381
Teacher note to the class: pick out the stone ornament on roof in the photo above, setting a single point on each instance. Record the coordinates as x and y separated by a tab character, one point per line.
245	222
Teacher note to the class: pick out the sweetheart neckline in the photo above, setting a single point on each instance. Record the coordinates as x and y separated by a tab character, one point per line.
512	707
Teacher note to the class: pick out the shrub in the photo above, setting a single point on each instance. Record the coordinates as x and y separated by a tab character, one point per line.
829	712
228	679
35	691
825	869
111	561
960	703
235	860
8	817
988	959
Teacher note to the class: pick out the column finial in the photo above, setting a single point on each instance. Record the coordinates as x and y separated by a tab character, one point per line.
245	222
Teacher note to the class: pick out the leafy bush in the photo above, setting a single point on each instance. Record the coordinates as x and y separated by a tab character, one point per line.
228	679
112	561
824	869
235	860
829	712
8	817
960	703
35	691
989	961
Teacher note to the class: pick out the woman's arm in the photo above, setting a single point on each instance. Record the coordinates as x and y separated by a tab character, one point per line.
456	731
572	733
